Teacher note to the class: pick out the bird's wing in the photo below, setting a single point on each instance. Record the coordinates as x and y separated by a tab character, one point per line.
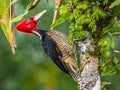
69	64
51	49
57	48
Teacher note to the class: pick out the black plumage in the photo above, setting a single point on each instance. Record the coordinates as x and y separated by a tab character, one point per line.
50	48
56	46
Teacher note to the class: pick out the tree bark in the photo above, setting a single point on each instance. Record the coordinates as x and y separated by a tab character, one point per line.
89	78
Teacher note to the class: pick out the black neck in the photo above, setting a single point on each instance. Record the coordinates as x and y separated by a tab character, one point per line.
42	32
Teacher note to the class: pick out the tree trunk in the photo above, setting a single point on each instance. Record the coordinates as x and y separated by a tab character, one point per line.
89	78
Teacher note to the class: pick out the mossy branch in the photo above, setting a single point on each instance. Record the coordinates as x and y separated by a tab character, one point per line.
100	20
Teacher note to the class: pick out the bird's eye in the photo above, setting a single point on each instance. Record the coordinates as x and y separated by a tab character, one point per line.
29	20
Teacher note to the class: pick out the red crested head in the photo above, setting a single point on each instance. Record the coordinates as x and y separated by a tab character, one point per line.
28	25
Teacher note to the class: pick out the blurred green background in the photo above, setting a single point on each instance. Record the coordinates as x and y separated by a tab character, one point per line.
30	68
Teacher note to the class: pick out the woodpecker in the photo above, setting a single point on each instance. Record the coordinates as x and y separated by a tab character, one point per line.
54	43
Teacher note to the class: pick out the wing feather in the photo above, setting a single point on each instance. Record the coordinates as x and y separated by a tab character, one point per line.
51	50
57	48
